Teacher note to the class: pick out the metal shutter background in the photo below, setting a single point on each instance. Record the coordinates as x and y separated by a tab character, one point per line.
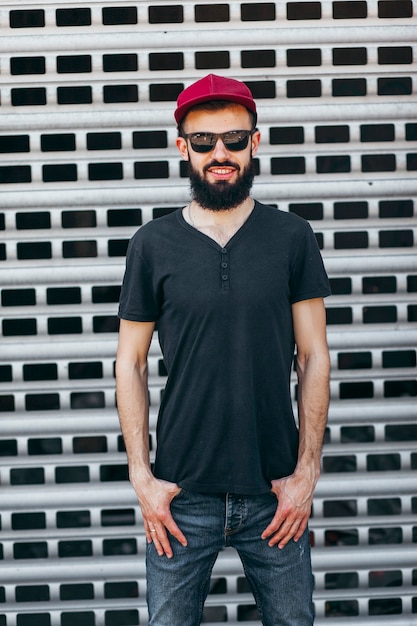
87	155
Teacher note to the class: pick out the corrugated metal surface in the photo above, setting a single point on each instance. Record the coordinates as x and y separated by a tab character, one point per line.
87	155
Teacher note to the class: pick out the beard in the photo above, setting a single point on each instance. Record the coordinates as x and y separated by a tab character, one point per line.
222	195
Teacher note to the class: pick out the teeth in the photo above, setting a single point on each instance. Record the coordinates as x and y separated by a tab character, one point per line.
222	172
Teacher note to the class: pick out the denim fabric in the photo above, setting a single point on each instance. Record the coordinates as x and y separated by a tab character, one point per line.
281	580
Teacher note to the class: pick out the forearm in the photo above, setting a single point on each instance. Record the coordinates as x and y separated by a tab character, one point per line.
313	403
133	409
295	492
154	495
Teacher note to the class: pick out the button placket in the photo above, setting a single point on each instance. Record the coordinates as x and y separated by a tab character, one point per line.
224	266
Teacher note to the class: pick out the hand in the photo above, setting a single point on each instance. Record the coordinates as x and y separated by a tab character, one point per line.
295	497
155	497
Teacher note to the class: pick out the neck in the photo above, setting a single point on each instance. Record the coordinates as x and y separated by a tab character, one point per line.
198	216
218	225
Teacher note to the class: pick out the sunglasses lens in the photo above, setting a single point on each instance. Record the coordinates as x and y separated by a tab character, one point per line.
234	140
201	147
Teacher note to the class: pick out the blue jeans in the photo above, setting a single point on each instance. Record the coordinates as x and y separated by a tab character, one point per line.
281	580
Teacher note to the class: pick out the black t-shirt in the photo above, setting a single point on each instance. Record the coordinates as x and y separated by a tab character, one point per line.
225	328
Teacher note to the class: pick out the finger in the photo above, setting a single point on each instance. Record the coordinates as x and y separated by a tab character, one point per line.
271	529
178	534
292	531
172	527
282	537
284	528
159	537
290	535
280	518
159	547
150	531
301	530
162	544
156	534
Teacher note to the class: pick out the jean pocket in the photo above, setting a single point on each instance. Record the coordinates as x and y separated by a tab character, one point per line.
179	494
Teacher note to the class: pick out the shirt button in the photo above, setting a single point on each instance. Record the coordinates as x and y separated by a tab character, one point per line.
224	250
224	277
224	265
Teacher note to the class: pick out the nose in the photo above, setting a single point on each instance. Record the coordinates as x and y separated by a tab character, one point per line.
220	151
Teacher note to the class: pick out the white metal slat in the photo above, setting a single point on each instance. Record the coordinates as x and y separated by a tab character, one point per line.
326	33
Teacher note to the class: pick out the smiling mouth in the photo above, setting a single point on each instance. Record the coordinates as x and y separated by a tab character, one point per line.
217	165
224	171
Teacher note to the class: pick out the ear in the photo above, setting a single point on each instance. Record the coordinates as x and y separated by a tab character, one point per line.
256	138
182	147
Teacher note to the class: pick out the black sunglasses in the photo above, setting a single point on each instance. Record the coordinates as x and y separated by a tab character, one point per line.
234	140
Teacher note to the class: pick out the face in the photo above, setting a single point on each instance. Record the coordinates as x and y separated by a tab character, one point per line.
220	179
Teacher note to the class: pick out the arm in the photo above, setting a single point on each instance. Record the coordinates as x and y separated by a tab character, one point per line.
154	495
295	492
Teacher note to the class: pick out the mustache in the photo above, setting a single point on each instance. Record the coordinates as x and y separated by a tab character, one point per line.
222	164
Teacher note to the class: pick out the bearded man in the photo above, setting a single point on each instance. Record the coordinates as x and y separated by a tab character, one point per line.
234	287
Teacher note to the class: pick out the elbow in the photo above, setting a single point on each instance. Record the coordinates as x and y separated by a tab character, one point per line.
317	362
126	368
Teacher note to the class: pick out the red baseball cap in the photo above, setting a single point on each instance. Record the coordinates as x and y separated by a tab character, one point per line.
213	87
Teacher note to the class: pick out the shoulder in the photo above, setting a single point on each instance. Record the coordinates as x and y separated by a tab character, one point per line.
155	230
286	222
159	225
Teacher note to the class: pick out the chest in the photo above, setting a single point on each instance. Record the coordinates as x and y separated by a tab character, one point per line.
244	277
221	234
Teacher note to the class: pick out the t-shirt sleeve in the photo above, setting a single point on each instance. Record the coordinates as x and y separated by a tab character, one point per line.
138	298
308	278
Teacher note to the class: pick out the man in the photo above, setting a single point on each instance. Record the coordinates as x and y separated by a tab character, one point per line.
233	286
